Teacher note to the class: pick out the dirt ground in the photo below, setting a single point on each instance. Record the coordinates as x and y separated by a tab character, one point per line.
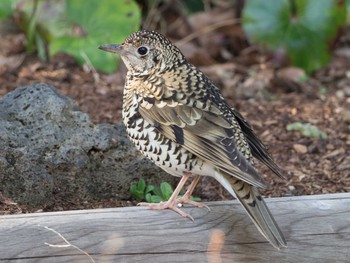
269	95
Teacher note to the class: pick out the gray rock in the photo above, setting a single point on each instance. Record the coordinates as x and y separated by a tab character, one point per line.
51	152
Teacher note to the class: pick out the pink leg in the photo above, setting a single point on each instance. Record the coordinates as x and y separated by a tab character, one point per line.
185	199
172	202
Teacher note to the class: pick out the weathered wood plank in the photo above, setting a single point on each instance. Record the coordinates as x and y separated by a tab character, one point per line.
317	229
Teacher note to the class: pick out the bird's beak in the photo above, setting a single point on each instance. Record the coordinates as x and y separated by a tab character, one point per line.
113	48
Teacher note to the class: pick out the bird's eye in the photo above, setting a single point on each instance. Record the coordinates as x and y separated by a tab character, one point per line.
142	50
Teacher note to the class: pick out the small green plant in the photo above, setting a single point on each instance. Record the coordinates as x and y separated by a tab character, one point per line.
322	90
303	78
138	190
153	194
307	130
303	28
159	194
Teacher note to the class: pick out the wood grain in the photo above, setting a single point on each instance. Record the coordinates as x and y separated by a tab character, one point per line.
317	229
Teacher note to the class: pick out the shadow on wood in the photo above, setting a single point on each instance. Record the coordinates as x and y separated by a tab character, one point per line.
317	229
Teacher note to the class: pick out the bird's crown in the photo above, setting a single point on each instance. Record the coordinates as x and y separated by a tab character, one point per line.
146	52
147	37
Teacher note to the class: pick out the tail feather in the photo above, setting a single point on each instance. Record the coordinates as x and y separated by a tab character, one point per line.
262	218
256	208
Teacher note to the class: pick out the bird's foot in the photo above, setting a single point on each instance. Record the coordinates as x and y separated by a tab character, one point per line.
186	200
166	205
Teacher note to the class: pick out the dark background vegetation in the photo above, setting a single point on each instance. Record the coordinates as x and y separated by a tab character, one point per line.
285	67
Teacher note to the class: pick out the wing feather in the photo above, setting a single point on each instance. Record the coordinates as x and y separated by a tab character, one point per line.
207	134
257	147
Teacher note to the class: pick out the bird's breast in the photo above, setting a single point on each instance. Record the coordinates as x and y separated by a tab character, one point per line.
165	153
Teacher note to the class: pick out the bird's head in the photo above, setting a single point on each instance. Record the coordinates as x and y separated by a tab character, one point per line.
145	52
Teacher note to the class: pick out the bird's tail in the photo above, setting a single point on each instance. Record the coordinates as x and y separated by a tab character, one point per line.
256	208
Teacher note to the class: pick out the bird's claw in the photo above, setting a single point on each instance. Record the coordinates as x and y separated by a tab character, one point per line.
184	200
166	205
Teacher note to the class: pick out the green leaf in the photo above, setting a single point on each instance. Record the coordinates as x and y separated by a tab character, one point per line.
295	126
307	130
302	29
41	47
196	199
78	27
135	192
102	22
167	190
148	198
141	185
157	191
156	199
5	8
149	188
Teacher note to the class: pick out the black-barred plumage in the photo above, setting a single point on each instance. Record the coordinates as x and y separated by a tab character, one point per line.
177	117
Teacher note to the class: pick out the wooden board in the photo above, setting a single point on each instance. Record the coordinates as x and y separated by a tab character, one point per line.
317	229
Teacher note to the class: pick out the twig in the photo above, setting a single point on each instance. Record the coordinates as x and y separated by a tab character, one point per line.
90	66
152	14
68	244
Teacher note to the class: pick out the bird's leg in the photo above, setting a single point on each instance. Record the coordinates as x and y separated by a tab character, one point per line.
185	199
172	202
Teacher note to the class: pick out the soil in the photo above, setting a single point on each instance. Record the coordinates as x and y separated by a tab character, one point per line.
269	96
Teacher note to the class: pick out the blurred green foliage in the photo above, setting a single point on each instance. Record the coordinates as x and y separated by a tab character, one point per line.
307	130
5	8
75	27
304	28
193	6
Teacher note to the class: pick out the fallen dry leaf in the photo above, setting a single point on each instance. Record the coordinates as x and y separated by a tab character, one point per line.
299	148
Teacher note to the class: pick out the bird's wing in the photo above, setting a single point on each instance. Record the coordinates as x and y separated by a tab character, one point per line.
257	147
206	133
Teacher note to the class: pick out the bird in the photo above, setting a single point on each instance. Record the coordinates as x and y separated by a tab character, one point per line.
178	118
